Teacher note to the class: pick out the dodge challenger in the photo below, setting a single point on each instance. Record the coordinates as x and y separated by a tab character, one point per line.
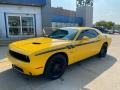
50	55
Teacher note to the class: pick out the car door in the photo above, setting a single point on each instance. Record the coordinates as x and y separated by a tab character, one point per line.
96	42
86	47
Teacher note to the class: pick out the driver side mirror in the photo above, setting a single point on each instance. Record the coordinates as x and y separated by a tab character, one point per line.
85	38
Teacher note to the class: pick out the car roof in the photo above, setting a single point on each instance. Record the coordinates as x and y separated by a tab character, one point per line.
77	28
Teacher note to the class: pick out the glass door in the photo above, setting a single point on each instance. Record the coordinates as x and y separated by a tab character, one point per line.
14	26
20	25
27	26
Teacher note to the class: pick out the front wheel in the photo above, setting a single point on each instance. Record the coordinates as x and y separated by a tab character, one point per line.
55	67
103	51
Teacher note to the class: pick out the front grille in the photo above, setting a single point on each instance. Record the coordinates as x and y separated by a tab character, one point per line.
17	68
19	56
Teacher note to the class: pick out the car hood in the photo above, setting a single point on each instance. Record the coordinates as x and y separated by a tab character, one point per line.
37	44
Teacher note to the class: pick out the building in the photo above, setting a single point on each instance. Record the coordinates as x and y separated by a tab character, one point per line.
65	18
27	18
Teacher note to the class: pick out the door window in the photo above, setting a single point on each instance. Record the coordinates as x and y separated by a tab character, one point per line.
89	33
93	33
20	25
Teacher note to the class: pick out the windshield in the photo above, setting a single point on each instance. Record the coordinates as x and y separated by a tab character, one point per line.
63	34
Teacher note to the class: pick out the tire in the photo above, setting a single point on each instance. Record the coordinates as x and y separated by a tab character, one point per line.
55	67
103	51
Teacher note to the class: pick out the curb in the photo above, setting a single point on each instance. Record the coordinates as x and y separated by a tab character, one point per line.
3	60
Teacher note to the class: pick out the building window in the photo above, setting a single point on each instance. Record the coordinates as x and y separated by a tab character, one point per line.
27	26
14	25
20	25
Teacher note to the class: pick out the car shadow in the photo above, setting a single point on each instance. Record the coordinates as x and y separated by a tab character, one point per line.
76	77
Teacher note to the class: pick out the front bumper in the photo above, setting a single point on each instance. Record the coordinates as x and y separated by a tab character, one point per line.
26	68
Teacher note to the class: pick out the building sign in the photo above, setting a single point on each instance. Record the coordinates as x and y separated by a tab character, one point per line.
84	3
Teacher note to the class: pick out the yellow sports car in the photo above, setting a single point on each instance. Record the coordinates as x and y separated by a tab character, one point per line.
50	55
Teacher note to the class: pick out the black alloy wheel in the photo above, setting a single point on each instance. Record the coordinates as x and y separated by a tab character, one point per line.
55	67
103	51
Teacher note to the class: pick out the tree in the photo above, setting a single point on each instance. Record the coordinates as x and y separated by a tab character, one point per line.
117	27
110	25
105	24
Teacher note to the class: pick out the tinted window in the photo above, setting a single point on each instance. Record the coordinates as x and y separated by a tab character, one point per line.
63	34
88	33
93	33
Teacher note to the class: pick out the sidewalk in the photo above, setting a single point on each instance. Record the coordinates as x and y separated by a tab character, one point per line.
3	52
4	63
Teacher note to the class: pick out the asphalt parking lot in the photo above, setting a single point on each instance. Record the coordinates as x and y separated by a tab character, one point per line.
91	74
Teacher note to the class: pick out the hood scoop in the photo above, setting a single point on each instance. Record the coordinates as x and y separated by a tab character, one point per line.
36	43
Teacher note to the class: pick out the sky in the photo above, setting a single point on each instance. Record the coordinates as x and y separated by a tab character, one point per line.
108	10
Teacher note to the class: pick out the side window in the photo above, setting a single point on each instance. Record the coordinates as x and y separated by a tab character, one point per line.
93	33
88	33
83	33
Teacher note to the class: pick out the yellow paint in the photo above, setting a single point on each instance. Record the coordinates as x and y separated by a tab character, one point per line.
48	44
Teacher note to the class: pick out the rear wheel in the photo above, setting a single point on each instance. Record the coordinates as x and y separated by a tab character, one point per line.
55	67
103	51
